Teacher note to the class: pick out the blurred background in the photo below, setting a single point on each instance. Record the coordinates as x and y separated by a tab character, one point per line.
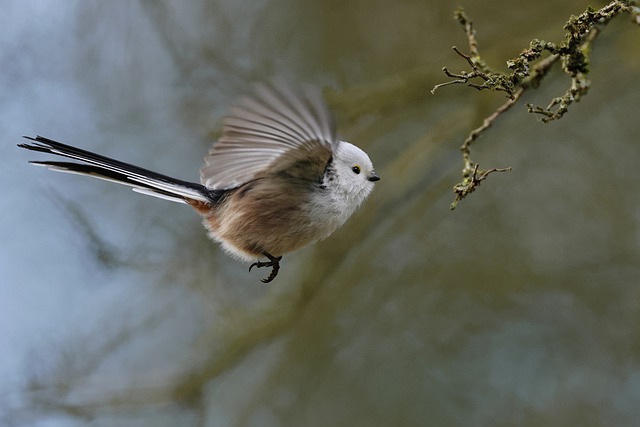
521	307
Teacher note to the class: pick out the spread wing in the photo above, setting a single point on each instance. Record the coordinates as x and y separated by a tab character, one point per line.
275	128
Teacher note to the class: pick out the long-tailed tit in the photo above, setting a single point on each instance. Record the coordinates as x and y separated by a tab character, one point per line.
278	178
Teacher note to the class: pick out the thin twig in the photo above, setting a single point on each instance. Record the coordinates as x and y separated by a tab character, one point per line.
491	81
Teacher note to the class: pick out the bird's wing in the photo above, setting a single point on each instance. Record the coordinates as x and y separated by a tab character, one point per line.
264	133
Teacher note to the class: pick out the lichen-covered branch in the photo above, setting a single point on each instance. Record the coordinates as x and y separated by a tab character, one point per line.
527	70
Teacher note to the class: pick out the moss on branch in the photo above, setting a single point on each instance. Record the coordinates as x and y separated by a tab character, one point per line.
527	71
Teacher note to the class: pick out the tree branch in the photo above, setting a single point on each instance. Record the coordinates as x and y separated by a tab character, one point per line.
527	71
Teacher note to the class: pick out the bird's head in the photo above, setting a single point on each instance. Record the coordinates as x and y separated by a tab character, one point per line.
354	172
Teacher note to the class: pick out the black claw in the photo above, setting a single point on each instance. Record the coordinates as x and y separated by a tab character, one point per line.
274	263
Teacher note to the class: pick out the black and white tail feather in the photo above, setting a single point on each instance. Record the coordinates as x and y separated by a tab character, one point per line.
140	180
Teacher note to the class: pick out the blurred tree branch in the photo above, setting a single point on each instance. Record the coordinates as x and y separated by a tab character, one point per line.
527	71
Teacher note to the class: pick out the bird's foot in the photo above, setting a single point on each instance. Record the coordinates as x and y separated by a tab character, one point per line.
274	263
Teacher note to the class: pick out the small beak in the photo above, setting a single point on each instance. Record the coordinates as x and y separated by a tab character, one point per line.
373	177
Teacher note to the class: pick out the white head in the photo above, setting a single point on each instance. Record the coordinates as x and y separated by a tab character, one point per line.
354	174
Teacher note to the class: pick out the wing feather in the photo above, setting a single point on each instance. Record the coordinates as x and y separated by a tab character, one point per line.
267	132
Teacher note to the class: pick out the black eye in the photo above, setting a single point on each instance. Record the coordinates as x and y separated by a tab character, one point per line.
356	169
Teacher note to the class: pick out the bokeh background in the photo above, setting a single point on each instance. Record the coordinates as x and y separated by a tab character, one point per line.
521	307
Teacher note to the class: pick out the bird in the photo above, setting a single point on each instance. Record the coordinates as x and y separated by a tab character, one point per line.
277	179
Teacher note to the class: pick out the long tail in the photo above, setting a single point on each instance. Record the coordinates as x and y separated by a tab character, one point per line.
141	180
